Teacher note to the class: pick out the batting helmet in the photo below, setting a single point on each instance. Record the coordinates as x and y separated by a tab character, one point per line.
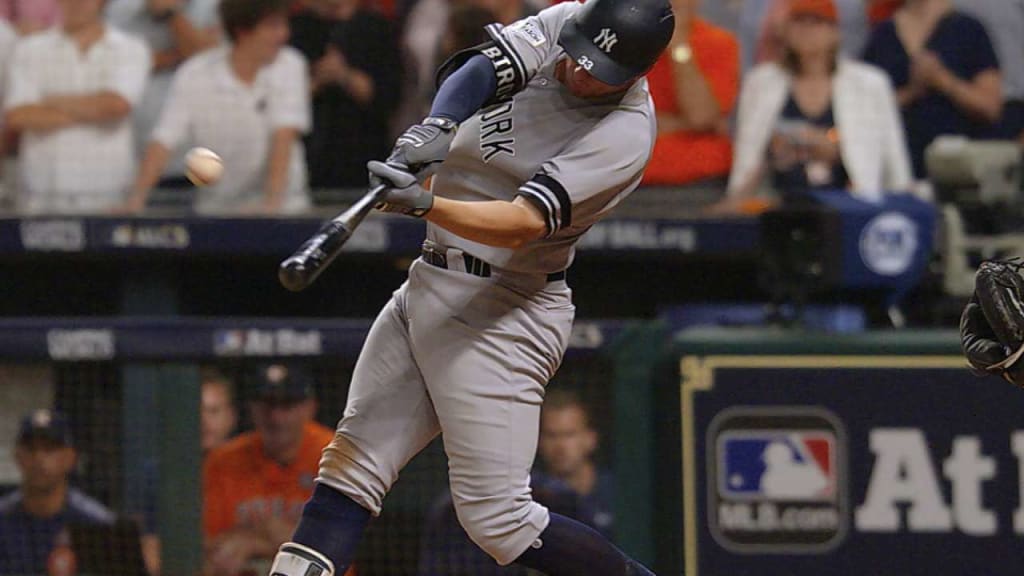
618	40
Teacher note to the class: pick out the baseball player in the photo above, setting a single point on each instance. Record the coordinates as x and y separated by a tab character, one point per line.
541	131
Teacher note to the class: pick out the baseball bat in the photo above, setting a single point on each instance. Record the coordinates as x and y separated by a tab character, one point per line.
300	269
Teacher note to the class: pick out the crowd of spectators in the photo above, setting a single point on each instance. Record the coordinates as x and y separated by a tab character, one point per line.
103	97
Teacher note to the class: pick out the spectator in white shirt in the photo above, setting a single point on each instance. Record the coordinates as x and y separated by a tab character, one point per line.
175	30
70	94
817	121
249	103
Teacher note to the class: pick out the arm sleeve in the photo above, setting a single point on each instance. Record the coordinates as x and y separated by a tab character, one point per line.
290	104
516	51
587	179
466	90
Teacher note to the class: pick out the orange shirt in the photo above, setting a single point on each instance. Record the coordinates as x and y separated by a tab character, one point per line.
881	10
241	486
683	157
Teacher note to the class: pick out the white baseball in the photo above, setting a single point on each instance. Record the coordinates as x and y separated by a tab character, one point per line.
203	167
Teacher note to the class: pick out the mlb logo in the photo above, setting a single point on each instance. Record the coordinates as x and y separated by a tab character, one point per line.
228	342
776	479
794	465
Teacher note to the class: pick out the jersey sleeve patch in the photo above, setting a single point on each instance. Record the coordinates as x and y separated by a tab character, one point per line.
548	195
509	68
528	30
508	65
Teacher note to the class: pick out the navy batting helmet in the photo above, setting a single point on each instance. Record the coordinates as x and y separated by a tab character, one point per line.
618	40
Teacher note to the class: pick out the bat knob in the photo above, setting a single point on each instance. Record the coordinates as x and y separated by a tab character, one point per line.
293	275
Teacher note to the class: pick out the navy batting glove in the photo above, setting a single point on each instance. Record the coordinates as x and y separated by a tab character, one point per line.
405	195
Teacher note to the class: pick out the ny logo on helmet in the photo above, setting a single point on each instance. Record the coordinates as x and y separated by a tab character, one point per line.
606	40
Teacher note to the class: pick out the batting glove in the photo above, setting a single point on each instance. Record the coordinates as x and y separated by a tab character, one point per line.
404	194
424	144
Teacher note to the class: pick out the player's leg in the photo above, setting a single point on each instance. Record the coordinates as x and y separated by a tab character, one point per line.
388	419
489	473
569	548
491	360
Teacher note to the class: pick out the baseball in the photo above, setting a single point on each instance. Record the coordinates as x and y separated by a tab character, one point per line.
203	167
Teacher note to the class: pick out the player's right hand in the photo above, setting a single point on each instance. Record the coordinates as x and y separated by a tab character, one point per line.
405	195
423	145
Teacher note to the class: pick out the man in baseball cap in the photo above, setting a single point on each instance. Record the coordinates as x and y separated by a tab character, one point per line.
45	426
254	486
281	383
33	517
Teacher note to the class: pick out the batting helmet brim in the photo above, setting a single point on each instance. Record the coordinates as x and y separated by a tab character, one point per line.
581	49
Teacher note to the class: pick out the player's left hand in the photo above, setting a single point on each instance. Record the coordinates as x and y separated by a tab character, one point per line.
424	145
405	195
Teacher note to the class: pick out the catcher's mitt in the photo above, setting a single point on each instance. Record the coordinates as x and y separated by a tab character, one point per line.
992	324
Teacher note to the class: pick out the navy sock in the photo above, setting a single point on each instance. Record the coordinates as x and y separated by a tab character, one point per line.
332	524
569	548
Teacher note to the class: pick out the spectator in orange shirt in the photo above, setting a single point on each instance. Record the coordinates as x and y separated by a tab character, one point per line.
255	485
694	85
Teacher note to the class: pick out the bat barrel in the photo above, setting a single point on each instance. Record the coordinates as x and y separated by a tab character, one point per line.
294	275
299	270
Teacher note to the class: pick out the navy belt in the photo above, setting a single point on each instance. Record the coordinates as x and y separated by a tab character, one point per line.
474	265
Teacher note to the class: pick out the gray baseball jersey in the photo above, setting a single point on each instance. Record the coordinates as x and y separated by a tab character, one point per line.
574	159
469	355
